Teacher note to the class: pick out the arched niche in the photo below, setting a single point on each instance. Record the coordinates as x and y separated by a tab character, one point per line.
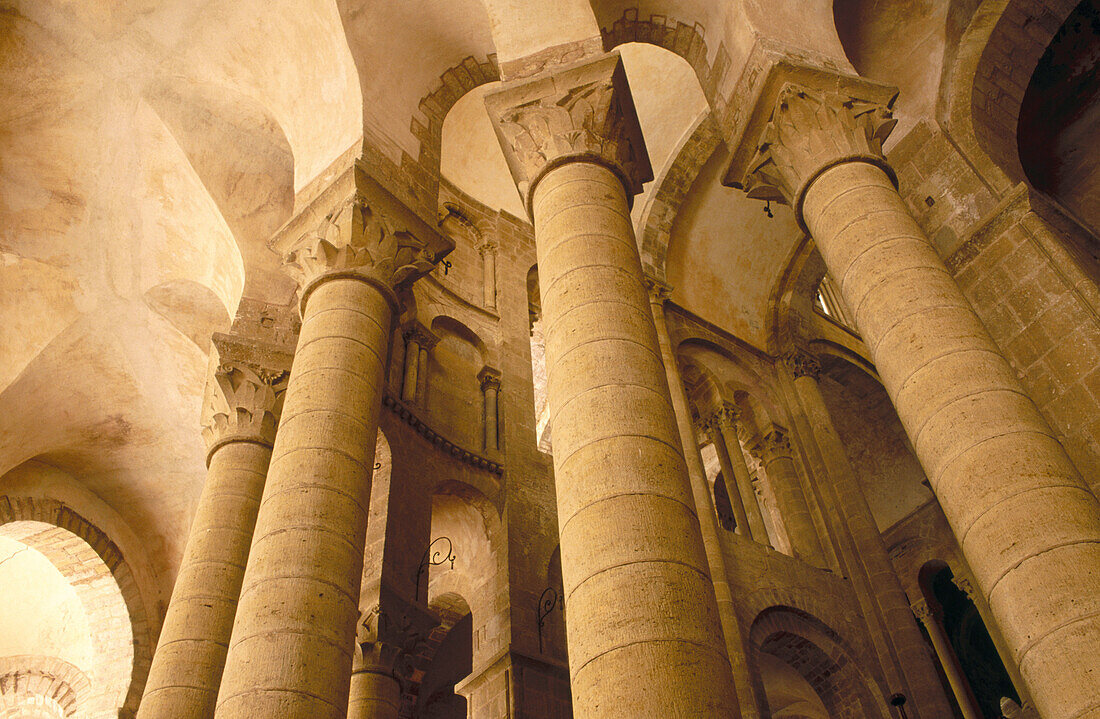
447	660
454	397
822	659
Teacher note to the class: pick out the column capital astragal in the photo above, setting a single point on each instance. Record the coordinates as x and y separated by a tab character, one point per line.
244	395
804	122
580	112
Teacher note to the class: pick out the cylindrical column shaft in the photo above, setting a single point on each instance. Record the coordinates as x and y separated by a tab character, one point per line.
187	667
375	694
893	606
732	490
627	517
491	417
489	262
412	365
291	651
960	687
727	612
1028	526
783	476
743	480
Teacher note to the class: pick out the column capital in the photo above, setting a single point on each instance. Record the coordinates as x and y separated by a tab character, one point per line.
923	611
364	233
418	333
659	292
244	396
489	378
966	586
725	417
802	364
580	112
804	122
389	644
776	443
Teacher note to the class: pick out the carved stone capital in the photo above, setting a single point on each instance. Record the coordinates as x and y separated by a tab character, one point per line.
966	586
580	112
804	122
659	292
489	378
802	364
364	233
923	612
388	640
421	335
243	403
776	443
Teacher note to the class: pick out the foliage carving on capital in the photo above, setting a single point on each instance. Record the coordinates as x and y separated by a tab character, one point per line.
584	111
659	292
388	641
802	364
420	335
357	239
776	443
244	404
489	378
810	130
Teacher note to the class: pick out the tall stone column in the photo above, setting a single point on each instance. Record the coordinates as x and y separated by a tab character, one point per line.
241	411
385	647
630	539
724	421
1027	524
292	645
775	454
931	619
907	645
490	389
749	692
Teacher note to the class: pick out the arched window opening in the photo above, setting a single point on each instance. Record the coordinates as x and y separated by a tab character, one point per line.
538	361
726	518
971	648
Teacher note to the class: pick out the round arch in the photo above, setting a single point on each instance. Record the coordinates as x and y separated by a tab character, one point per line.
822	657
49	526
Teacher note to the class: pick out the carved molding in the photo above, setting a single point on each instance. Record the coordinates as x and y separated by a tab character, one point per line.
659	292
805	121
465	456
776	443
245	392
421	335
579	112
802	364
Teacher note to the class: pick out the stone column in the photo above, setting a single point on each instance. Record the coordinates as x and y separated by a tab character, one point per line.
241	413
725	421
490	389
967	587
1027	524
488	250
291	650
427	342
892	606
960	687
709	427
412	363
630	540
774	452
736	647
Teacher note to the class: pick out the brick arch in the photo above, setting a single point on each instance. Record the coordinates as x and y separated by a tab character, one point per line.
21	518
1017	39
43	680
687	41
823	659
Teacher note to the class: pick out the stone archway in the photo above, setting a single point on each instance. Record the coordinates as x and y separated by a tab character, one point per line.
822	658
95	567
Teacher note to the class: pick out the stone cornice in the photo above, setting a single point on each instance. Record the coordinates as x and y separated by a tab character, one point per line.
580	112
803	121
446	446
364	232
